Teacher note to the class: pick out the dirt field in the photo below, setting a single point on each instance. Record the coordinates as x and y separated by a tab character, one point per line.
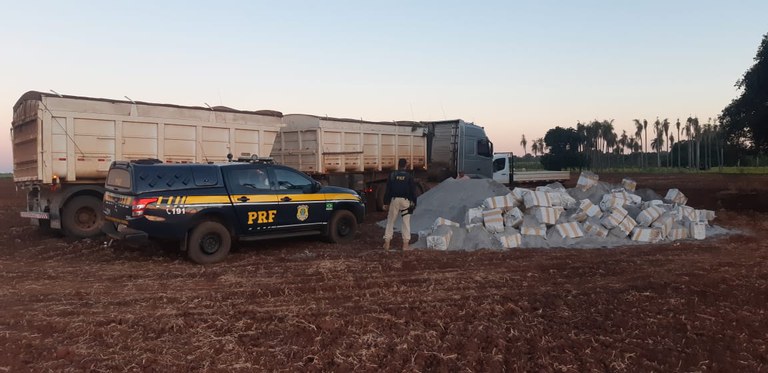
305	305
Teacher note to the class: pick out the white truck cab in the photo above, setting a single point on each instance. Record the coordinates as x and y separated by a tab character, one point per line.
503	169
504	172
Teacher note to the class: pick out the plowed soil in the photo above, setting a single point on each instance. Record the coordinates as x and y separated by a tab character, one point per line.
301	304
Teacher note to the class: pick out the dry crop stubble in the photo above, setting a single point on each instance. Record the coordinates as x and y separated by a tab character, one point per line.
306	305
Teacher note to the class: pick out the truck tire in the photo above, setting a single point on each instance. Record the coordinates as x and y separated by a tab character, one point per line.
381	189
209	243
342	226
81	217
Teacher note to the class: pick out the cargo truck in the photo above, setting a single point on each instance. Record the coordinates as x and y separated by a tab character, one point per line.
360	154
63	146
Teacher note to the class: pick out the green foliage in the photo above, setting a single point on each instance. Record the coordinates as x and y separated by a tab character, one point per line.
563	144
6	176
745	119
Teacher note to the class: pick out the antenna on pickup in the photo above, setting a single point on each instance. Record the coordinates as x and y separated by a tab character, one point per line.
56	93
129	99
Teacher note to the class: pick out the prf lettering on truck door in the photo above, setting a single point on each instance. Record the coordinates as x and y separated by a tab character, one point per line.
261	217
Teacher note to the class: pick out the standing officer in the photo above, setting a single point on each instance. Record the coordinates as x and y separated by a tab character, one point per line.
401	201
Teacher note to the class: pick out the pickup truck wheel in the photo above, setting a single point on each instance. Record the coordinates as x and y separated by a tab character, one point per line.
82	217
342	226
209	243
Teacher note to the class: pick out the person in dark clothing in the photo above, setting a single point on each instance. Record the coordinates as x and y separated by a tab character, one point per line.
400	200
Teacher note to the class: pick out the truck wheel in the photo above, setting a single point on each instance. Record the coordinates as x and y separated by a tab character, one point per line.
209	243
82	217
342	226
381	189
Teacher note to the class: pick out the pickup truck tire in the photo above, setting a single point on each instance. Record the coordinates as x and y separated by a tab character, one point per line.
81	217
342	226
209	243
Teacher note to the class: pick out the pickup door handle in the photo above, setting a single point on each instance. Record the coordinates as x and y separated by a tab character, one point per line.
243	199
286	199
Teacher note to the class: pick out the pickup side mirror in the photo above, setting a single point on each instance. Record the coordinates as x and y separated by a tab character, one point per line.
316	186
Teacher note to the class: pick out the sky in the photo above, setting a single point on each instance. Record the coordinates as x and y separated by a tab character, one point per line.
514	67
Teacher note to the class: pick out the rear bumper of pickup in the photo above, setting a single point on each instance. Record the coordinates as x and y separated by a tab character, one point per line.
121	232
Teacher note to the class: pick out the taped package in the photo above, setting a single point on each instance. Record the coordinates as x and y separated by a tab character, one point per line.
649	215
555	199
443	221
664	222
547	215
474	216
519	194
593	228
504	202
705	215
537	199
509	239
653	202
587	180
685	213
628	184
578	216
513	218
612	200
678	232
566	201
533	228
676	196
614	218
592	210
569	230
440	238
698	230
627	225
642	234
493	220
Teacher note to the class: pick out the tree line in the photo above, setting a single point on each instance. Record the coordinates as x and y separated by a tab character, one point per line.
736	137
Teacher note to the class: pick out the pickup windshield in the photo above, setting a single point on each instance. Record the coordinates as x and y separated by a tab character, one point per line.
119	178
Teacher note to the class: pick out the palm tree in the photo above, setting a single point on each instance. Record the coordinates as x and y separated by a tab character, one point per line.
581	129
697	137
689	135
535	148
608	137
639	134
524	143
677	124
623	142
658	132
671	145
645	130
542	148
665	126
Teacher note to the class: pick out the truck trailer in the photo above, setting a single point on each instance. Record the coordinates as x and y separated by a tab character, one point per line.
63	146
360	154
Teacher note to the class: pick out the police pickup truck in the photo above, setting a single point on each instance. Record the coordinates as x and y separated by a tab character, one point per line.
207	206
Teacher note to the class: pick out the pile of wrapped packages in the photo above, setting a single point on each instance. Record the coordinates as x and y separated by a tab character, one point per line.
593	214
